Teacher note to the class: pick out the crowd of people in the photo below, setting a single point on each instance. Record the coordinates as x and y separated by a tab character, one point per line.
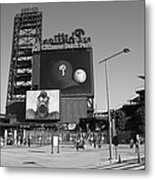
93	139
19	141
80	140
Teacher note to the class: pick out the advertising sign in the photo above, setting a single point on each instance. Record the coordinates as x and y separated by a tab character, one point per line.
55	141
43	104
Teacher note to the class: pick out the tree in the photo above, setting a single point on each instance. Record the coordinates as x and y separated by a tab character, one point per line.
140	120
120	120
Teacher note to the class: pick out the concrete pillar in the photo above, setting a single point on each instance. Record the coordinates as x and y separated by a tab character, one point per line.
24	134
5	135
15	137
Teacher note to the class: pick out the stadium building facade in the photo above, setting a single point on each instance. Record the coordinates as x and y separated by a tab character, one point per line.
51	83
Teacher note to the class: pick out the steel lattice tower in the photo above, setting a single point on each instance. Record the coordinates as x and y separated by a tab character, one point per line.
27	35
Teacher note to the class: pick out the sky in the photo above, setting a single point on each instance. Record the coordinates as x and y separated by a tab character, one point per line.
112	27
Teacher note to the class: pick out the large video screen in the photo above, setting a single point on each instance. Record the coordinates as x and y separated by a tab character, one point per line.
68	70
43	104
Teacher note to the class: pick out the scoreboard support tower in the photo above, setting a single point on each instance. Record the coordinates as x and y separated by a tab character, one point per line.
27	35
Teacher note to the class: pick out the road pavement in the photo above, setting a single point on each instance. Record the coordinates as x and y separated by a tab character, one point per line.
69	157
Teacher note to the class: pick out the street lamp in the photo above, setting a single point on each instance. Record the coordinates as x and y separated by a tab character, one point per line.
125	50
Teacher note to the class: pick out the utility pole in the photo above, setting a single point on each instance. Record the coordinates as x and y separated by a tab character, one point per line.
125	50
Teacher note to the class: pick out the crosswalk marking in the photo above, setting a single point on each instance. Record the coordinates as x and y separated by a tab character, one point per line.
125	165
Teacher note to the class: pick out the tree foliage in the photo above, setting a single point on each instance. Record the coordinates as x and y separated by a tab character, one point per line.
120	120
134	121
140	120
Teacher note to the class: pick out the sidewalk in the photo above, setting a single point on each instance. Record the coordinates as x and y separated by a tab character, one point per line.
125	157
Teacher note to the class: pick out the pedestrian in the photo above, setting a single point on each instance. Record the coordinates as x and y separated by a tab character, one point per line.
95	139
90	139
102	138
40	140
29	141
21	140
99	141
131	144
24	142
136	147
137	144
18	140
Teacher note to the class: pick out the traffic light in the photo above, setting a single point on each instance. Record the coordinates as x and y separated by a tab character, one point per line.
112	113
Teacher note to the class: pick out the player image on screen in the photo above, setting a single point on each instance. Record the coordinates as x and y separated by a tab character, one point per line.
42	108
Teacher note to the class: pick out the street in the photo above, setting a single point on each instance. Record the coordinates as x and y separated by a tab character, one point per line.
89	158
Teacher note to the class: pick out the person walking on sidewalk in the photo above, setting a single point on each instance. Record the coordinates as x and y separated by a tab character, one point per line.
137	144
131	144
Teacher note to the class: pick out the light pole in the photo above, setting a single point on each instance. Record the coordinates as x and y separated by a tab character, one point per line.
125	50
